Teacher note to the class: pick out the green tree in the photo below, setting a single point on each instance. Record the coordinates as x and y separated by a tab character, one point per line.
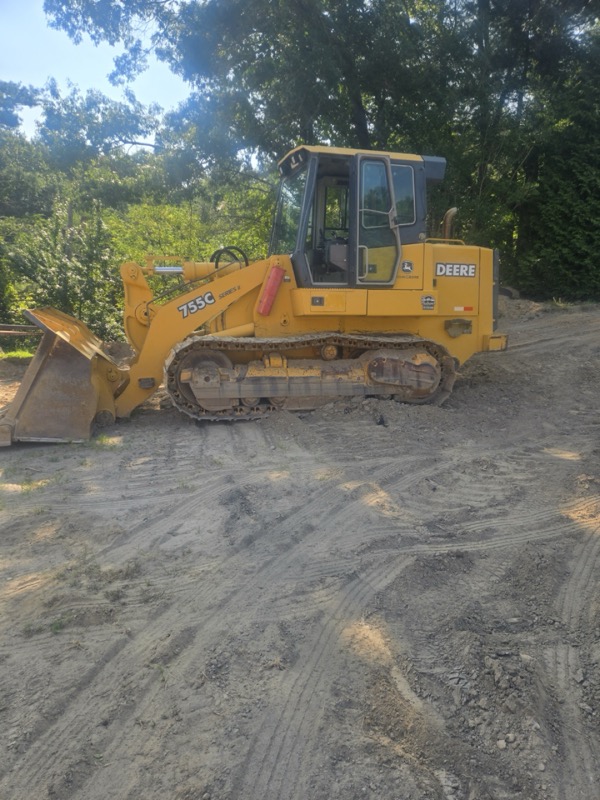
559	233
489	85
77	128
216	216
67	264
27	183
27	191
14	97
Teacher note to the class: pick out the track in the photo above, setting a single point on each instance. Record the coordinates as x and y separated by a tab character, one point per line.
275	392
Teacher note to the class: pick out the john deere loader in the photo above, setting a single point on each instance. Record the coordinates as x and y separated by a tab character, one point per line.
353	301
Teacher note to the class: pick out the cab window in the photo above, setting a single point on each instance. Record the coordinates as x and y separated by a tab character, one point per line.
378	243
404	194
326	247
289	207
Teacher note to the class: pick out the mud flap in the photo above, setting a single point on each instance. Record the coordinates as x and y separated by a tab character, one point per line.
69	381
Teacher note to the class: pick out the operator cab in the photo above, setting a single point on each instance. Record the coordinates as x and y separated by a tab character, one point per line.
343	215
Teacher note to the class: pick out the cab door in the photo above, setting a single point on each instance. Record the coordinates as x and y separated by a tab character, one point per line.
378	247
348	223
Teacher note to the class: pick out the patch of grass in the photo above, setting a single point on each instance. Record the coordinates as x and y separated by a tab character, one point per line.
87	570
275	663
104	440
150	594
161	671
19	353
30	485
132	569
558	302
83	568
114	595
59	624
31	629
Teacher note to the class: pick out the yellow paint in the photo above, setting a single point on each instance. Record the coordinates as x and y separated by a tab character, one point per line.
345	151
325	302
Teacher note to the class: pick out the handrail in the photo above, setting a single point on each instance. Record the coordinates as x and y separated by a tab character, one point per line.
19	330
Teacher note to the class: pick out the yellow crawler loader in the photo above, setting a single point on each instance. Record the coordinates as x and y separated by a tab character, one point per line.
353	300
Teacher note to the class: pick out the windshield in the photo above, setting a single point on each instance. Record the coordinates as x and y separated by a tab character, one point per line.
287	218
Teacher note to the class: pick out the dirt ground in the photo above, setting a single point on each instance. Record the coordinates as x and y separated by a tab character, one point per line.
368	601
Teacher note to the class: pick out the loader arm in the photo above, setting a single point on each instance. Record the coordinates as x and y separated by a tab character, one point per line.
170	323
71	382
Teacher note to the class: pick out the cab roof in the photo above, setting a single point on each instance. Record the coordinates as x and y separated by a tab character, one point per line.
435	167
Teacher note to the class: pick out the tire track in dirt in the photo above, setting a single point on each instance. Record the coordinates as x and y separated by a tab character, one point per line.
343	518
286	739
275	763
275	766
167	620
208	637
392	478
588	331
371	499
519	528
344	514
546	520
101	692
53	732
579	740
332	496
510	539
389	471
72	722
300	515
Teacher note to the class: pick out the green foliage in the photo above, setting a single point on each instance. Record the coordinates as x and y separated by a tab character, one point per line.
64	234
217	216
76	128
156	228
65	263
507	92
19	354
559	242
27	183
13	97
9	297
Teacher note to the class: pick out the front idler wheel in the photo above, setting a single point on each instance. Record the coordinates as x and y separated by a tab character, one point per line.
198	380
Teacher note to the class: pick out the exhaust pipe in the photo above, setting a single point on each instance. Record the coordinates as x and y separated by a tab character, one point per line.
448	222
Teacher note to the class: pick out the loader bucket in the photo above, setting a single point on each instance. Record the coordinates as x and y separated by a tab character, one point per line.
69	382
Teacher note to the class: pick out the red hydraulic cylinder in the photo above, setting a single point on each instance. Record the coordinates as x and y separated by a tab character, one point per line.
269	292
